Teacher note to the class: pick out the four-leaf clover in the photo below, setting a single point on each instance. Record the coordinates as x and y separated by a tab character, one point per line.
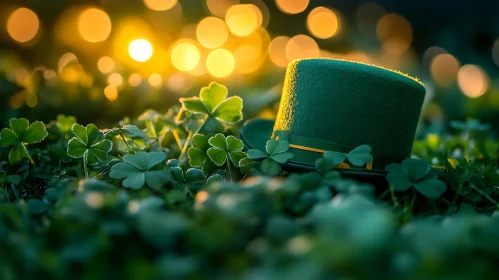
225	149
139	169
276	154
413	173
20	134
89	143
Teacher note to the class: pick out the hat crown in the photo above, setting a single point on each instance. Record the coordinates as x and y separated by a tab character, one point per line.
338	105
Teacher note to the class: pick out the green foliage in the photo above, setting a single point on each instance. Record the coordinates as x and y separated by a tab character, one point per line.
225	149
358	156
88	142
276	153
198	154
139	169
414	173
20	134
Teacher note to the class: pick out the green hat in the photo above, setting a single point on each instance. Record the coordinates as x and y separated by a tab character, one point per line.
337	105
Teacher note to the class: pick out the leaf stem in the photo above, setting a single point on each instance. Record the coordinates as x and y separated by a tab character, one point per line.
481	192
456	197
29	157
228	167
408	214
85	165
189	137
177	139
394	198
126	143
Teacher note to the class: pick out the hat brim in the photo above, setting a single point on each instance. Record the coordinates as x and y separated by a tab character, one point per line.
256	132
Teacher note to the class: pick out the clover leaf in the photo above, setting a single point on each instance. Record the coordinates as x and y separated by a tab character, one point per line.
64	123
88	142
358	156
276	154
414	173
20	134
324	166
212	102
198	154
141	169
129	134
224	149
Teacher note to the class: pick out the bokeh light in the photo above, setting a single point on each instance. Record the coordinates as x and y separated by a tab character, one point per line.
140	50
277	51
212	32
94	25
322	23
444	68
135	80
160	5
105	64
292	6
23	25
242	20
301	46
185	56
395	32
219	7
115	79
248	59
155	80
472	80
111	93
220	63
176	82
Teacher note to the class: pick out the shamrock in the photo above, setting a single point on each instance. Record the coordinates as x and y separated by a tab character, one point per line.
213	103
141	168
224	149
276	153
130	134
90	144
358	156
414	173
324	166
20	134
198	156
189	180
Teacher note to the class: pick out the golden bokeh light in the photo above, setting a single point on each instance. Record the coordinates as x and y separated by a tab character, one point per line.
395	32
160	5
248	59
31	100
135	80
94	25
301	46
367	16
212	32
115	79
292	6
140	50
111	93
220	63
105	64
277	51
219	7
444	68
322	23
431	53
65	60
23	25
242	20
185	56
472	80
155	80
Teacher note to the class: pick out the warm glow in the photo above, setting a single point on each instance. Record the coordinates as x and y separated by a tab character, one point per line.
135	80
220	63
248	59
115	79
301	46
185	56
94	25
111	93
277	51
212	32
395	32
140	50
160	5
176	82
219	7
155	80
444	68
23	25
242	20
472	80
292	6
322	23
66	59
105	64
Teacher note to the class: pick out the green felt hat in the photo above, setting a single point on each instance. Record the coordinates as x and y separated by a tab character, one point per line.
337	105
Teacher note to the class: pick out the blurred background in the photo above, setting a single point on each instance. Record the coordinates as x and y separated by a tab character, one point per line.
103	60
